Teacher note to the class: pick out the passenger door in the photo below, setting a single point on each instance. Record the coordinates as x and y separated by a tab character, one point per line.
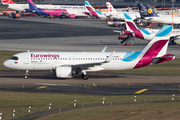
26	58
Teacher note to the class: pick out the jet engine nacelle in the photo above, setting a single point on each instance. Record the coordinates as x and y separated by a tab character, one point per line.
72	16
64	72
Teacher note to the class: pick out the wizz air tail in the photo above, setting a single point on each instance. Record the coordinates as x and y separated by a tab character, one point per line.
155	51
32	6
110	8
148	12
7	2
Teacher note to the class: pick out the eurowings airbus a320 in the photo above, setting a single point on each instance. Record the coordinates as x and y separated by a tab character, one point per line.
67	64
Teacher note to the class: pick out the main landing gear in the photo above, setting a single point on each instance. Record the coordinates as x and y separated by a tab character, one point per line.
84	76
26	74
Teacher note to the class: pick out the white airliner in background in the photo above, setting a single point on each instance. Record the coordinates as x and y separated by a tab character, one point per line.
145	34
149	14
112	13
77	10
92	12
67	64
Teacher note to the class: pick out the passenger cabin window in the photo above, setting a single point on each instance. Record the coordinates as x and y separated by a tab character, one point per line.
14	58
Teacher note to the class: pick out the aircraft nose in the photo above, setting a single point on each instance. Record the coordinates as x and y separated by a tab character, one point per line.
6	64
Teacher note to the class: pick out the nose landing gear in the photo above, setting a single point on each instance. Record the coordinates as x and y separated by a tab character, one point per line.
26	74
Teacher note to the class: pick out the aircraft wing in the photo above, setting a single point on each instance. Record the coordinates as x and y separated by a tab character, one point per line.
85	66
87	13
88	66
175	36
117	31
65	13
122	32
5	5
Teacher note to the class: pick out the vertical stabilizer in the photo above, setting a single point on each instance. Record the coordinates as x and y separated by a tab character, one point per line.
92	11
7	2
32	6
110	8
158	45
156	48
150	11
130	25
142	11
88	6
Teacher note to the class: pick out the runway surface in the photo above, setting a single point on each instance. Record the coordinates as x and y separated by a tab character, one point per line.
97	84
42	34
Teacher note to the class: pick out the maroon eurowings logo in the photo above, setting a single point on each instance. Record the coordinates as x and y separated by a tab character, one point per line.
44	55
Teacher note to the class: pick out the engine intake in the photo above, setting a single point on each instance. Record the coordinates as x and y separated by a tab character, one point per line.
64	72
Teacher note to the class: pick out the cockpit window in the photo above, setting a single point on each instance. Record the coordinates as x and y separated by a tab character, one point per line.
14	58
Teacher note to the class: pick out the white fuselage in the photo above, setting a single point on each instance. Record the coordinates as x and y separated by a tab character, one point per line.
120	15
50	60
165	19
174	33
77	10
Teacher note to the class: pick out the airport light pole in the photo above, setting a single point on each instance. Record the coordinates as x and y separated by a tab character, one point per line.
172	9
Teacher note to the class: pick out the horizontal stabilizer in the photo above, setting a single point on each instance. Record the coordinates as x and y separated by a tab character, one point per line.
162	59
117	31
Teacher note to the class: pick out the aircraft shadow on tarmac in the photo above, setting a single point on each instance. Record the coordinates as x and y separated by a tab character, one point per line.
50	75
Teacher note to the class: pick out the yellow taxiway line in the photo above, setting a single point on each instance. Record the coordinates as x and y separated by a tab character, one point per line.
41	87
140	91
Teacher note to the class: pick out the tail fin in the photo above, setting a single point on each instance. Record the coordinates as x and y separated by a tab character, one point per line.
159	43
88	6
156	48
32	6
7	2
130	25
143	12
110	8
150	11
93	12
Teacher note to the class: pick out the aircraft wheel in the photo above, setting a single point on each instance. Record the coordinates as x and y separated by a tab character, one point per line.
25	77
85	77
